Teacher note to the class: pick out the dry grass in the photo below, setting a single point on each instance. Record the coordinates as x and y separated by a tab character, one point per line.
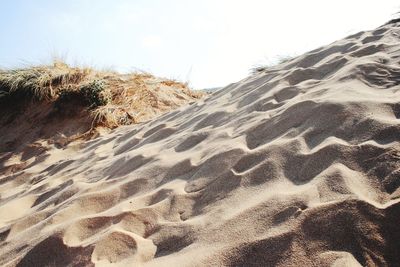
112	116
40	83
174	83
112	99
263	67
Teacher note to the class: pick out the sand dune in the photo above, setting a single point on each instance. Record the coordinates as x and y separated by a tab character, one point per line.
297	165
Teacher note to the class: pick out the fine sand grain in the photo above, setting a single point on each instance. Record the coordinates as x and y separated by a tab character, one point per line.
297	165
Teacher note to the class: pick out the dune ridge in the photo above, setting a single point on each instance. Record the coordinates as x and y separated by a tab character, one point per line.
297	165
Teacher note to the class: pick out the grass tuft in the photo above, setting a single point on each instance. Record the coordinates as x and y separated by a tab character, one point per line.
261	68
39	83
95	94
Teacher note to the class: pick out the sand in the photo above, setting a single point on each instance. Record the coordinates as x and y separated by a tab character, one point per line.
297	165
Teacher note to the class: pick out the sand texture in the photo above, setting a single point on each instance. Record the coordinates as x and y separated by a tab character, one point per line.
298	165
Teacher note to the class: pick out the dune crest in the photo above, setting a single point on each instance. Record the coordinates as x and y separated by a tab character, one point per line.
297	165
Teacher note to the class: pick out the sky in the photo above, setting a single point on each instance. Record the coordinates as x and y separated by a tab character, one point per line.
208	43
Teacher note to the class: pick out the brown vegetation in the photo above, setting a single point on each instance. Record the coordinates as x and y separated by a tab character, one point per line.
59	100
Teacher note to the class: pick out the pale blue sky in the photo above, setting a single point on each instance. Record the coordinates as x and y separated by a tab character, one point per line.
208	42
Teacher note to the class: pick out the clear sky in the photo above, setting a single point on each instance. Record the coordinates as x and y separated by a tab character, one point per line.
206	42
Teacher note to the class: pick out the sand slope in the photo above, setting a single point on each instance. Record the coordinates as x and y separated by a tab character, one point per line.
296	166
